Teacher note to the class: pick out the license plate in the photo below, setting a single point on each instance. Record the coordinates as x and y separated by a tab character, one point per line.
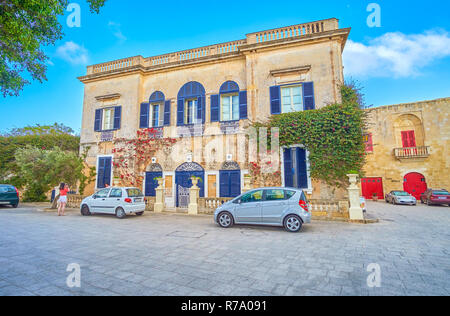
442	198
138	200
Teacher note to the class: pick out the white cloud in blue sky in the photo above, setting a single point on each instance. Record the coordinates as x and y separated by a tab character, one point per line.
395	54
117	31
73	53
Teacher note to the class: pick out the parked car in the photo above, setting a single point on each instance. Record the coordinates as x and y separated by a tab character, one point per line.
400	197
9	195
431	197
118	201
283	207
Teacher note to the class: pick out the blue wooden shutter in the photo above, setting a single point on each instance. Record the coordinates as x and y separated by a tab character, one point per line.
98	120
302	169
108	165
150	183
167	113
308	96
288	172
144	118
275	104
180	112
235	183
117	117
243	114
215	108
200	109
224	183
101	173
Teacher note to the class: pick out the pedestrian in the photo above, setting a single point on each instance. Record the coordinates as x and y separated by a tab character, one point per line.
63	190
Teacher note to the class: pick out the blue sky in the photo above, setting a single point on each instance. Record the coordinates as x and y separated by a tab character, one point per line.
406	59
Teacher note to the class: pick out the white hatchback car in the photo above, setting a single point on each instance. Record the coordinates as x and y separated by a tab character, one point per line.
117	201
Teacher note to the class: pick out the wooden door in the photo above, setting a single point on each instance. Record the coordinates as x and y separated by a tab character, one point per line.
371	186
212	185
415	184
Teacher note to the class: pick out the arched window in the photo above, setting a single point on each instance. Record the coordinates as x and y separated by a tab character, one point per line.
156	112
191	104
230	104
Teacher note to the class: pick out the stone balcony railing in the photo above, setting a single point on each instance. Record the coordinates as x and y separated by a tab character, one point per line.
412	152
197	54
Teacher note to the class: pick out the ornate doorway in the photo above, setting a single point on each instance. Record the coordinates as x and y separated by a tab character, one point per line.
183	180
230	179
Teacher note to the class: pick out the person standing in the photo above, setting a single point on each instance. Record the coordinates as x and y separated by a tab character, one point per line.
63	190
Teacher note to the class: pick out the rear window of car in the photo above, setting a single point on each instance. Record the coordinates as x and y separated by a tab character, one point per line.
289	194
134	193
441	193
6	189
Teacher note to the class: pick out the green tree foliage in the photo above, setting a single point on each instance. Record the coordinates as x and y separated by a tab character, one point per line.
26	26
333	136
43	137
43	169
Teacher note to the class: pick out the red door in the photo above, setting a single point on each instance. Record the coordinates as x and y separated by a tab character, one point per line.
415	184
372	185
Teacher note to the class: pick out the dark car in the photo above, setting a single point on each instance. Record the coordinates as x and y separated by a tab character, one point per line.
9	195
435	197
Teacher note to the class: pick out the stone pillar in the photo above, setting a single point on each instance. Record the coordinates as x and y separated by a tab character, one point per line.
247	183
159	204
356	212
194	193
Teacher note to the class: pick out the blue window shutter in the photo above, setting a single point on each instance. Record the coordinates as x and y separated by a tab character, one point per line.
302	169
108	164
144	118
215	108
288	174
98	120
167	113
101	173
200	109
235	183
117	117
180	112
275	104
224	183
243	114
308	96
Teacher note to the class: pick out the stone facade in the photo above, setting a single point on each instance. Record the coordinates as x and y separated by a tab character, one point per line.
298	54
393	162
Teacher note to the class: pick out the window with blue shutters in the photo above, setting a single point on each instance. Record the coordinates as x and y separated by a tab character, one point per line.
288	168
108	119
104	172
191	107
292	98
233	103
230	183
295	168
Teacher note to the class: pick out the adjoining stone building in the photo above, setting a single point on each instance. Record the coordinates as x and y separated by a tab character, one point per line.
408	148
205	97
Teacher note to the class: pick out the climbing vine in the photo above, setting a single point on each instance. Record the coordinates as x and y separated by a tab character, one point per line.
132	156
333	135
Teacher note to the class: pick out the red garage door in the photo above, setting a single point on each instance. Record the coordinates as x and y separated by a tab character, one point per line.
415	184
371	186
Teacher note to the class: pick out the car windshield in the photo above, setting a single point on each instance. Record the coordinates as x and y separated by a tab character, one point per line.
134	193
441	193
400	193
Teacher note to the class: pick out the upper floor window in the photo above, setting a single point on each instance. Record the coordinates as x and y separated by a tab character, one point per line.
191	104
409	139
230	107
190	110
108	119
155	112
292	99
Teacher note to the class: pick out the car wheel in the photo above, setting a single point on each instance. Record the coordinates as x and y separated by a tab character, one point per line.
85	210
225	220
293	223
120	213
140	213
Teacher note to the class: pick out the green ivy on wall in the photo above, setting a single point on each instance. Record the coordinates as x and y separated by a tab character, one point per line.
333	135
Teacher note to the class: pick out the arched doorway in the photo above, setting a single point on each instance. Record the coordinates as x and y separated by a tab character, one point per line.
183	180
415	184
153	171
230	179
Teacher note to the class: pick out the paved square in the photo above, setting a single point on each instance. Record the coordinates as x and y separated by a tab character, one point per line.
181	255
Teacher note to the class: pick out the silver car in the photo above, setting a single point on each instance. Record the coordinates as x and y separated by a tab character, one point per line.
400	197
284	207
115	201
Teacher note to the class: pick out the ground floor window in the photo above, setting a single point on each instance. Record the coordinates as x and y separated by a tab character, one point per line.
104	172
296	168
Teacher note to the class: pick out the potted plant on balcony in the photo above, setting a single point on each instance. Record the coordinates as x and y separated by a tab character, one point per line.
375	197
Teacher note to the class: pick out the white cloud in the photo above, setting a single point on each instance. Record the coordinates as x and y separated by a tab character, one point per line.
396	54
117	32
73	53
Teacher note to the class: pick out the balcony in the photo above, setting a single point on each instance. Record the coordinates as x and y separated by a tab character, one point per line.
294	32
413	153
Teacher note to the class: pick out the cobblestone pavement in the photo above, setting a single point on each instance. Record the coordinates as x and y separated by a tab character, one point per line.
170	254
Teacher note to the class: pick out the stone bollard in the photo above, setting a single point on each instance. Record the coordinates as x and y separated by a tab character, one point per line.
159	204
356	212
194	193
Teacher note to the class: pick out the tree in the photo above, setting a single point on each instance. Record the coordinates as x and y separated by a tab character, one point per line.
26	26
43	169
